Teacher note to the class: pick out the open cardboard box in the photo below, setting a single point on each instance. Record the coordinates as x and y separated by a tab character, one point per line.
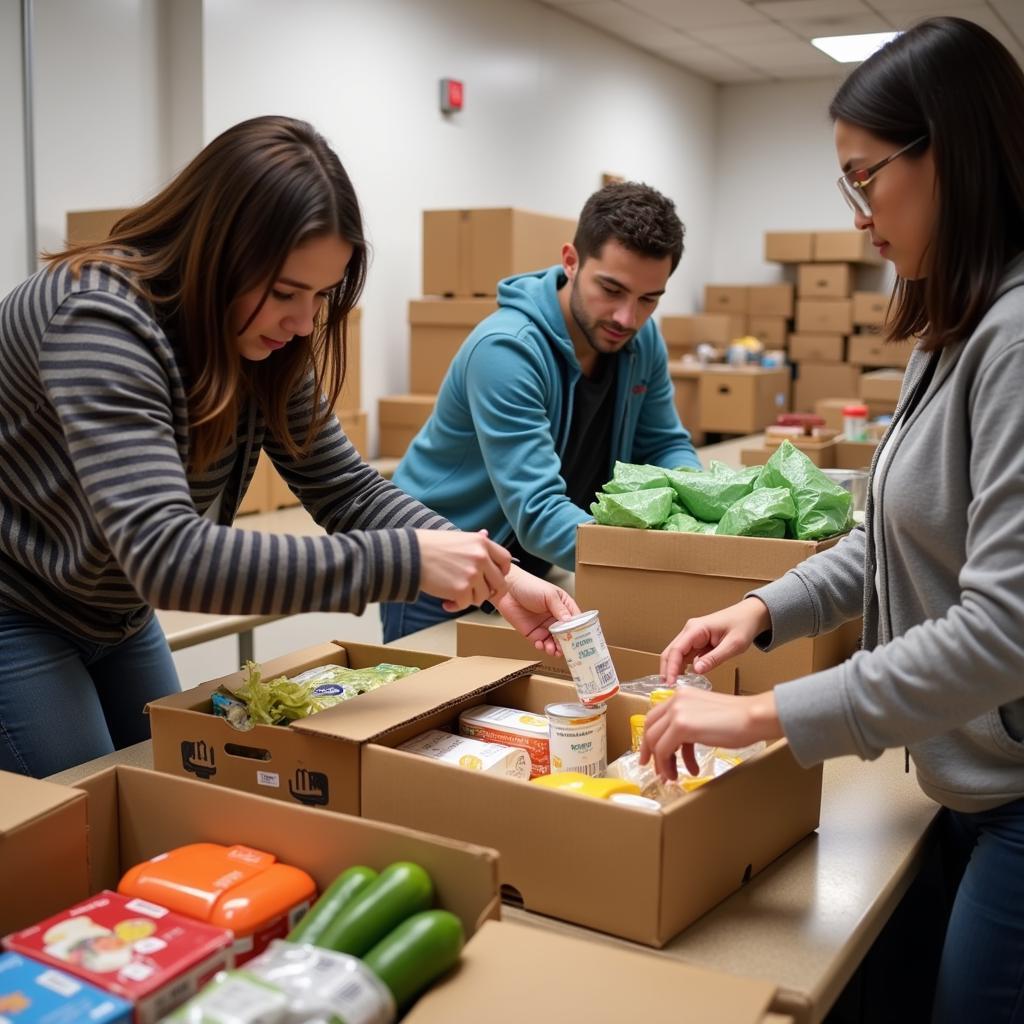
510	973
76	841
647	583
314	761
638	874
500	640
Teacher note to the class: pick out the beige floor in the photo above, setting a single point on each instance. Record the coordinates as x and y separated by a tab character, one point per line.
218	657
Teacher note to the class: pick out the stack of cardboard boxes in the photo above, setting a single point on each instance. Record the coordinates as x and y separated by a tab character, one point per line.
465	254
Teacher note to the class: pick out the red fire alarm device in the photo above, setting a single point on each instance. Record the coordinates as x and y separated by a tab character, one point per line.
451	95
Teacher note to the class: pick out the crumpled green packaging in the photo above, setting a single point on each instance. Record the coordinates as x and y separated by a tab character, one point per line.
822	507
764	512
707	495
644	510
630	477
683	522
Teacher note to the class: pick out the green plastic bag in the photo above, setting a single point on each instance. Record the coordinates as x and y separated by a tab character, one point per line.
765	512
629	477
708	495
822	507
643	510
681	522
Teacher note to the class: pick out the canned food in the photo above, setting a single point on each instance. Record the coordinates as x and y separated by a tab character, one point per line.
586	654
578	738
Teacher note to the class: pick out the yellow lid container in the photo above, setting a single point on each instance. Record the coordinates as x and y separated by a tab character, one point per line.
584	785
636	730
657	696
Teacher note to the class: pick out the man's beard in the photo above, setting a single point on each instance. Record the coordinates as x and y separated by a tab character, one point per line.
589	327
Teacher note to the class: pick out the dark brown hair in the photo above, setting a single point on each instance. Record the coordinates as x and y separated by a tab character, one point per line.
223	226
951	81
637	216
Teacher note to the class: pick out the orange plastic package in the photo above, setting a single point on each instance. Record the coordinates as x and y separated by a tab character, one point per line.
233	887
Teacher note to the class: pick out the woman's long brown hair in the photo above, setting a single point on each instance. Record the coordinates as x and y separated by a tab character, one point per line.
226	225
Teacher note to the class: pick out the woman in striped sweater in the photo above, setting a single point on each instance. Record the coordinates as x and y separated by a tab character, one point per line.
140	378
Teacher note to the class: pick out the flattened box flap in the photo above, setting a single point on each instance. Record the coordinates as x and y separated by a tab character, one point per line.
751	558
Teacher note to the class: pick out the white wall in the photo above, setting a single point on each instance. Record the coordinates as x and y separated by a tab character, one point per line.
550	104
13	240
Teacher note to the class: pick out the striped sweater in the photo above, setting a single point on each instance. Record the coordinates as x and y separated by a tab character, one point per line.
99	520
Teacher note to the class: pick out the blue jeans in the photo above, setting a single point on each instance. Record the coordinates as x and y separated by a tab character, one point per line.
65	700
981	975
401	619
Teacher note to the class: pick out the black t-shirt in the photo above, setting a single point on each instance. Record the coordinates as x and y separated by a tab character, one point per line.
586	462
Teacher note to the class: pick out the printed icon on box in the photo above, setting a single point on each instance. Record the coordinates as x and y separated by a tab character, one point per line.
309	788
198	758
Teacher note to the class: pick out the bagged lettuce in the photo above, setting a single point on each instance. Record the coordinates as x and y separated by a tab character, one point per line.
644	510
630	477
822	507
682	522
708	494
765	512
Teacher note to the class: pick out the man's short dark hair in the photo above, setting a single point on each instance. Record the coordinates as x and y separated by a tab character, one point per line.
637	216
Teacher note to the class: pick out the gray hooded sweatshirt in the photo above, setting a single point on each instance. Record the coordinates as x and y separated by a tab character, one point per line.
942	669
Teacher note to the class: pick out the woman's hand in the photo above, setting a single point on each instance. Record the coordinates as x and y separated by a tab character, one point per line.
714	719
710	640
533	605
462	569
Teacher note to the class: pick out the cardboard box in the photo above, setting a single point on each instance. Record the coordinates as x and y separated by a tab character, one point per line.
874	350
870	308
500	640
881	386
467	252
770	300
815	381
824	281
557	849
725	298
498	961
437	329
844	247
354	423
315	760
685	333
399	419
831	411
93	833
742	400
855	454
686	394
824	316
647	583
257	496
85	226
788	246
769	330
817	348
754	456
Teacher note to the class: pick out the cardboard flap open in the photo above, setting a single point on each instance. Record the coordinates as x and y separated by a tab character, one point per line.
752	558
603	982
412	698
26	799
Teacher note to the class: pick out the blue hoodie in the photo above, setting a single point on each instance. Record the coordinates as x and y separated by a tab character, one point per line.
490	456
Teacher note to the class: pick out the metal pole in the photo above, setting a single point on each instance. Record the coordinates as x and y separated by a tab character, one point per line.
30	162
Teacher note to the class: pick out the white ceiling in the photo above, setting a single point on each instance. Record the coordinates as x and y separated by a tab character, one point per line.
769	40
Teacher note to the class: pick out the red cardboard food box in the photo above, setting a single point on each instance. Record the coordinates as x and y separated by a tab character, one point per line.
144	953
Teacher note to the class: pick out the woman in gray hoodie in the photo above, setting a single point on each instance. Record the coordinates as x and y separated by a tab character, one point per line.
929	137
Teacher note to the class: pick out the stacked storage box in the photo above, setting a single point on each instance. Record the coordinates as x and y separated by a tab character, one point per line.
465	254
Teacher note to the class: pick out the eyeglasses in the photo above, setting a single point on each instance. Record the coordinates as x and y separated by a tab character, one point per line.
852	184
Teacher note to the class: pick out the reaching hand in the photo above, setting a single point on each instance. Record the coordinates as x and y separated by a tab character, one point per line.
462	569
533	605
713	639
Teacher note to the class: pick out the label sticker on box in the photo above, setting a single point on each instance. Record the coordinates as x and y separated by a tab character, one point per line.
147	908
59	983
268	779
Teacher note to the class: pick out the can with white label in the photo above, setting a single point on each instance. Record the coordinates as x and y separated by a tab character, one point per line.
586	654
578	738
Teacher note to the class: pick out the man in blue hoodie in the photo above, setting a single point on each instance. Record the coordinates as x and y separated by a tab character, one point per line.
568	376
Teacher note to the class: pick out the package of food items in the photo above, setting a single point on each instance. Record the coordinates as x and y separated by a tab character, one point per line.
138	951
787	497
234	887
284	699
31	991
511	728
475	755
365	951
